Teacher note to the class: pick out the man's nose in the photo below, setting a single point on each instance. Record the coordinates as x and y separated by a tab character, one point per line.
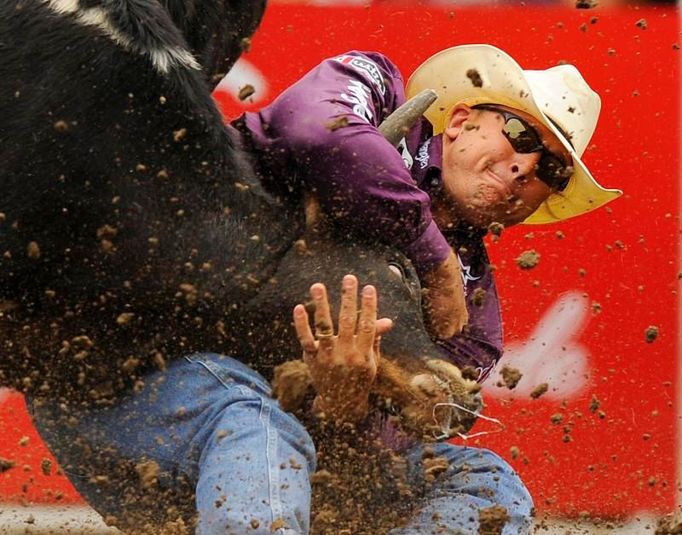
522	166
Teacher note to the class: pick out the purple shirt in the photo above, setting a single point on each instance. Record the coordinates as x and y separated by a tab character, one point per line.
320	135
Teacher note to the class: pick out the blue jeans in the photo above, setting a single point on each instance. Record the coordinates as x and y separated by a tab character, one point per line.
203	441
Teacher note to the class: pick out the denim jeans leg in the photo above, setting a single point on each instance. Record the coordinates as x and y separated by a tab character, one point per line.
254	465
224	454
476	479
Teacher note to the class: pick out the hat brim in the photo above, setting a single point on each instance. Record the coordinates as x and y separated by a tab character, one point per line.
483	74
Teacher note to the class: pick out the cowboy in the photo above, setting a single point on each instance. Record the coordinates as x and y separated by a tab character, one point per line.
500	146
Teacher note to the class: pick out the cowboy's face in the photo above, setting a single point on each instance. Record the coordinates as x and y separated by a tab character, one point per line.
484	179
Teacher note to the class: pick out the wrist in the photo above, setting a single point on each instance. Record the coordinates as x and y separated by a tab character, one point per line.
444	272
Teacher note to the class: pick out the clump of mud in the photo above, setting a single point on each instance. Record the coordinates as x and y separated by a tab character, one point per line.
6	464
510	377
528	259
650	334
492	520
539	390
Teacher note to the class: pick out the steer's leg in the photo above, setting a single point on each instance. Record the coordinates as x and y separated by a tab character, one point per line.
478	489
202	442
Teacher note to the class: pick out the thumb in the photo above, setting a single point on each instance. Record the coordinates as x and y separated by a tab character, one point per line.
383	325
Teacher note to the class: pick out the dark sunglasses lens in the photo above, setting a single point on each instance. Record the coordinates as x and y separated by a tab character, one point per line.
522	137
552	171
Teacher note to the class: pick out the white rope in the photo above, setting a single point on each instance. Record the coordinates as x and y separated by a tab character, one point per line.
445	430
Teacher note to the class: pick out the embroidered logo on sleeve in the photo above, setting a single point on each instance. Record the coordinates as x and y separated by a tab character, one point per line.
365	67
423	154
467	277
359	95
407	157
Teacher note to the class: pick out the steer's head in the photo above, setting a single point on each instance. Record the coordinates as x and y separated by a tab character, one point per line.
414	379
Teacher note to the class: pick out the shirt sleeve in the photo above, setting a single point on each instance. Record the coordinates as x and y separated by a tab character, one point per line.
325	128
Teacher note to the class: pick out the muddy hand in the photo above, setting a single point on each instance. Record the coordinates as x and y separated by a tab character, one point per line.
342	367
444	301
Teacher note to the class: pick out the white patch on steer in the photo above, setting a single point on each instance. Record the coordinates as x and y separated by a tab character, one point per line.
163	58
63	6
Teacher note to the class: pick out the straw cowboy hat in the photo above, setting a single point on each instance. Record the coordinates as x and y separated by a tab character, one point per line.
558	96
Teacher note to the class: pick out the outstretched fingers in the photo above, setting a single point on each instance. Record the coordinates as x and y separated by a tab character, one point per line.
368	317
303	332
324	327
349	310
358	337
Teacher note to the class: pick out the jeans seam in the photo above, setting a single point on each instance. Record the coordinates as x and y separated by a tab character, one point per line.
227	380
214	373
271	450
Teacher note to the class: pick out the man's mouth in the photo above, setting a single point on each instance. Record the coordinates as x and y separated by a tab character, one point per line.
494	182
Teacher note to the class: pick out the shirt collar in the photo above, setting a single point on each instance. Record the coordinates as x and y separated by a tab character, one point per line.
427	169
427	172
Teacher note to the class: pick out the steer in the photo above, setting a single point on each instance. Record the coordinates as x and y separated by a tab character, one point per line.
126	211
132	230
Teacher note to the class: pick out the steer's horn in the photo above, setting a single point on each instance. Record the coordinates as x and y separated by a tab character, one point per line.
396	125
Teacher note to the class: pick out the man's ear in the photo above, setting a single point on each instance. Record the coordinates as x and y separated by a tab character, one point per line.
460	114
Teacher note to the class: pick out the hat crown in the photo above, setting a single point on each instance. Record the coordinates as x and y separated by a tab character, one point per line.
563	95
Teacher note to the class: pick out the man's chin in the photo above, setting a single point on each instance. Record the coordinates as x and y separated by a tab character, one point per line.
484	219
481	215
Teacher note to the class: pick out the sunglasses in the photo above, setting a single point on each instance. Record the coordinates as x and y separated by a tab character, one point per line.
525	139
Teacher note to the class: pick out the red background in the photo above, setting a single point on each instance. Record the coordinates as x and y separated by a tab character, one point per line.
625	257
